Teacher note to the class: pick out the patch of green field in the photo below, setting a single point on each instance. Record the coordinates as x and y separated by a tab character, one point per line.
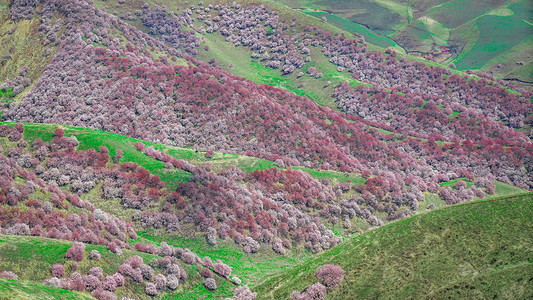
435	28
370	13
451	183
429	199
339	177
18	289
6	94
455	13
504	189
461	251
370	36
494	38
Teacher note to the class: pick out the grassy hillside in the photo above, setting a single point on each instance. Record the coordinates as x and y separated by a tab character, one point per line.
23	45
479	249
18	289
237	60
471	34
31	258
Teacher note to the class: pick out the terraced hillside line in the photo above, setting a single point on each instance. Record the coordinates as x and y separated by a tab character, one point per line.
479	249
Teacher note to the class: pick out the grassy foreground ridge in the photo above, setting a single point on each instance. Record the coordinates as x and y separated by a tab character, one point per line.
476	250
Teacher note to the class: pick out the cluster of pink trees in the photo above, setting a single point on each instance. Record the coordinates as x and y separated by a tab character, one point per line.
275	209
494	114
25	215
100	286
159	275
168	25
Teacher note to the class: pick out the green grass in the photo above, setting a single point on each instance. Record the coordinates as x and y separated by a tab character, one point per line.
370	36
6	94
451	183
455	13
374	15
479	249
504	189
18	289
339	177
494	38
31	258
251	268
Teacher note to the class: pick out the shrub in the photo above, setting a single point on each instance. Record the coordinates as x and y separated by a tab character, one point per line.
54	281
330	275
151	289
236	279
211	236
76	252
109	283
314	291
94	255
173	269
206	273
147	271
160	282
210	284
119	279
222	269
172	282
8	275
244	293
102	294
91	282
98	272
58	270
165	249
135	261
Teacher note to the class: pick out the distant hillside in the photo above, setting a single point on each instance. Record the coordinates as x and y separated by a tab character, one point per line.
470	34
474	250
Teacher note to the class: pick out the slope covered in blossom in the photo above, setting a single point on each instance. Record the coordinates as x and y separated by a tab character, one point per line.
132	133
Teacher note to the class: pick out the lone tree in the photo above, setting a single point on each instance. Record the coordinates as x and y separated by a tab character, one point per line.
330	275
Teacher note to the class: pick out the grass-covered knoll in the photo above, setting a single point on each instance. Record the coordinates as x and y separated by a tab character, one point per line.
478	249
18	289
371	13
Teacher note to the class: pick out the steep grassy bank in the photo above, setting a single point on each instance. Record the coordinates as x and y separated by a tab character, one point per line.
479	249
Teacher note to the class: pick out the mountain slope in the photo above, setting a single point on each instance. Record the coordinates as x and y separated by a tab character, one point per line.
175	150
477	249
471	34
